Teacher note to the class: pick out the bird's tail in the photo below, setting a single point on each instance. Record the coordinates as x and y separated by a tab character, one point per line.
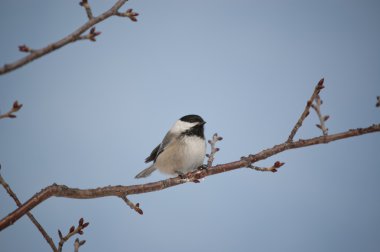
146	172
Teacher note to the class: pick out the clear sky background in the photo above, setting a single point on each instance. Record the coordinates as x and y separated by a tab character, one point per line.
93	112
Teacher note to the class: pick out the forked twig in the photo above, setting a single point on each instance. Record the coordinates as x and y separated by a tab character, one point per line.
29	214
322	118
74	36
10	114
214	150
306	111
72	231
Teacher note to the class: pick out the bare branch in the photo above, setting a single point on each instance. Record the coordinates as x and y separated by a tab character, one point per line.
15	107
273	168
30	215
91	35
306	111
214	150
78	243
322	118
121	191
72	231
87	7
132	206
129	13
74	36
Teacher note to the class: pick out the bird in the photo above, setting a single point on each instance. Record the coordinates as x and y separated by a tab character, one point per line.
182	150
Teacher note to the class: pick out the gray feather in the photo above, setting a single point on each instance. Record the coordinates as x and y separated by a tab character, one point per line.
146	172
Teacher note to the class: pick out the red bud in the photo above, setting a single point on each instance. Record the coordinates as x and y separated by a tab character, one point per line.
72	229
278	164
320	83
139	211
60	234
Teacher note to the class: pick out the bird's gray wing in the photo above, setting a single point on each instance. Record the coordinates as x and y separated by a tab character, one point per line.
169	137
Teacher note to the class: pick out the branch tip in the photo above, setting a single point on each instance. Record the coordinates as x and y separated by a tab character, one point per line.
133	206
306	111
214	150
72	231
24	48
15	107
273	168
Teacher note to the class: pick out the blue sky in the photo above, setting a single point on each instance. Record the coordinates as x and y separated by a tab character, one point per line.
93	112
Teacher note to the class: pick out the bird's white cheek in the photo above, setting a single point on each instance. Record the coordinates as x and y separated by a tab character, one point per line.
181	126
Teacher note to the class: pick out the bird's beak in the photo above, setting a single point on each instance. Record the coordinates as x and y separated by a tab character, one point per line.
202	123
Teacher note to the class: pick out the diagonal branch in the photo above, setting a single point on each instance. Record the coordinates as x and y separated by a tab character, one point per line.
74	36
306	111
122	191
30	215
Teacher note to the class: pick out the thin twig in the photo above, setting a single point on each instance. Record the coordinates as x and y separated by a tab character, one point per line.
91	35
322	118
132	205
120	191
74	36
214	150
15	107
72	231
78	243
30	215
87	7
128	13
378	101
273	168
306	111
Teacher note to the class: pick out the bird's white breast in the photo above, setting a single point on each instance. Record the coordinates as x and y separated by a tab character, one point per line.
181	156
195	151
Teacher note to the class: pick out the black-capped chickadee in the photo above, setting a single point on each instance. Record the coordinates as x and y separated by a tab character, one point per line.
182	150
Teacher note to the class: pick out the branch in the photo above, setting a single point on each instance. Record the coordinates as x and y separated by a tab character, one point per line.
121	191
87	7
15	107
322	118
135	207
214	150
30	215
73	231
77	244
74	36
306	111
